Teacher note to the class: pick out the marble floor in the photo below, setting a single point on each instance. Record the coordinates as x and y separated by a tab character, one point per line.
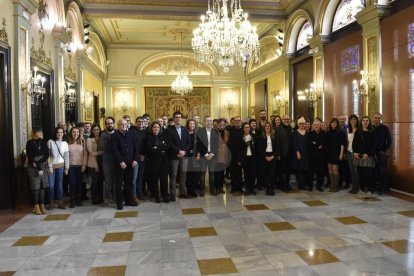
299	233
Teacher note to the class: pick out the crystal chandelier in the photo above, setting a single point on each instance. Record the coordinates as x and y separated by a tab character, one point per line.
70	96
182	84
223	39
34	86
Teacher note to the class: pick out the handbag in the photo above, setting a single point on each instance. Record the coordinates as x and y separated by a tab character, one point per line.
58	166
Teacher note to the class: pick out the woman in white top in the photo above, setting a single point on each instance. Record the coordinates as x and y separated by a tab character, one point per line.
95	164
58	164
352	127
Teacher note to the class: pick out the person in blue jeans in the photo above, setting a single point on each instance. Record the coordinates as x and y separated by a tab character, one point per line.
58	165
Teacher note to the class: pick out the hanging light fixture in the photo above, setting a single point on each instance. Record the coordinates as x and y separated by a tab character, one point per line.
223	39
34	86
182	84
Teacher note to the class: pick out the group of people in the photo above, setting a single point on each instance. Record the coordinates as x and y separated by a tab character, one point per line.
128	163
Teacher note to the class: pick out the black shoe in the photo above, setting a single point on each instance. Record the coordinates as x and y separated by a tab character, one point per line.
157	199
184	196
120	207
213	193
272	192
193	194
132	203
267	191
166	199
79	204
310	189
72	205
320	189
172	198
246	193
253	192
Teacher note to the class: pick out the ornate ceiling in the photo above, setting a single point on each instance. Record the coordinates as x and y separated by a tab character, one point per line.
157	24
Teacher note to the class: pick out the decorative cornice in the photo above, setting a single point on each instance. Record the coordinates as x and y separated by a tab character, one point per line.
40	54
375	12
319	40
29	5
3	34
60	33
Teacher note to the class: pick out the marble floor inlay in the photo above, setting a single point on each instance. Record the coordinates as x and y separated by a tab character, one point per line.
192	211
256	207
401	246
202	232
31	241
107	271
128	214
118	237
56	217
314	203
279	226
217	266
317	256
303	233
350	220
409	213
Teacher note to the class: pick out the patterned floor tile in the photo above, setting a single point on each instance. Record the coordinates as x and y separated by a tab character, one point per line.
31	241
279	226
107	271
192	211
202	232
56	217
118	237
217	266
350	220
256	207
317	256
127	214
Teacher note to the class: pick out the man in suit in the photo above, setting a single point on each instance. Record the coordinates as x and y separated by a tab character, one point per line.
207	148
179	140
125	152
284	138
235	140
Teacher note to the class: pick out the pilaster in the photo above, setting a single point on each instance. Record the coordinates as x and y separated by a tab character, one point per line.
369	19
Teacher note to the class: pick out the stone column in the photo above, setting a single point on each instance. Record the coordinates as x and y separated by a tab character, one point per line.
316	44
61	37
287	94
369	19
81	57
23	9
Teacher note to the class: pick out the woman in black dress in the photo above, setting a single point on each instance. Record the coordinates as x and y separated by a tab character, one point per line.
363	147
300	163
38	169
267	150
336	147
247	159
156	147
193	165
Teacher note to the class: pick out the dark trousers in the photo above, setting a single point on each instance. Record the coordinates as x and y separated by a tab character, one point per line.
219	176
236	179
141	179
97	185
380	168
302	178
366	182
317	167
260	175
193	175
269	172
75	184
123	178
278	174
157	169
249	166
285	169
344	173
207	165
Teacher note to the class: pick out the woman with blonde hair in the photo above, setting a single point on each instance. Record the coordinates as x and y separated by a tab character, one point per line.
37	170
77	165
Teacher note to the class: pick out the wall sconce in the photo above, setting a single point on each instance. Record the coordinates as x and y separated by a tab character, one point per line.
281	102
311	95
363	87
42	13
70	96
34	86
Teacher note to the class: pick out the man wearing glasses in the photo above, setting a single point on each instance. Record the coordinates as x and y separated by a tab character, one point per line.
179	140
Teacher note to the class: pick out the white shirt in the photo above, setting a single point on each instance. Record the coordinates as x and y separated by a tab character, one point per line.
246	139
269	147
55	157
350	140
208	139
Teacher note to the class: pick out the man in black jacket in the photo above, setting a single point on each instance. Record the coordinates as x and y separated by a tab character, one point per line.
317	141
179	140
284	138
125	151
235	140
207	148
383	143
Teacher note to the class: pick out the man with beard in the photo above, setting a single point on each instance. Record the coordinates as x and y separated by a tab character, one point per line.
383	143
141	178
107	159
262	121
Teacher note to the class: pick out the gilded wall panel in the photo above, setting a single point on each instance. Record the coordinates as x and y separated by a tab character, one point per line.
23	67
161	100
372	55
